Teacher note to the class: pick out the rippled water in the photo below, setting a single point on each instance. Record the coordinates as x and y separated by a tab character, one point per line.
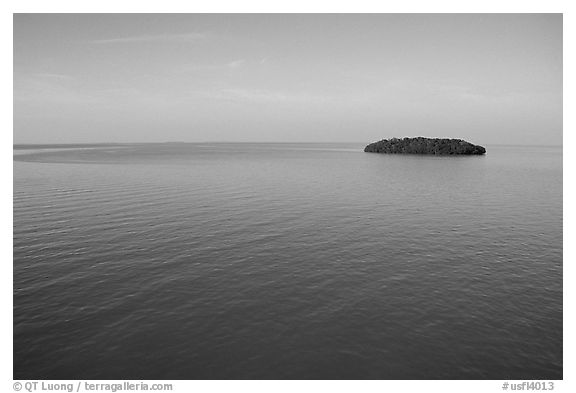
280	261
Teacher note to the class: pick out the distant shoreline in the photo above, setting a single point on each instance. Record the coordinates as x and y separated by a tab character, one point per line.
21	146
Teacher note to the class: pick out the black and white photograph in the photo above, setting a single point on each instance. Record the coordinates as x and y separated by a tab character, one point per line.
288	196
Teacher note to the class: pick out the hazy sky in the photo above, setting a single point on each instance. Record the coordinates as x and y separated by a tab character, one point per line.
486	78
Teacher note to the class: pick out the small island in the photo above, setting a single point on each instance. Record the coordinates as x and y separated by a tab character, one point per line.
421	145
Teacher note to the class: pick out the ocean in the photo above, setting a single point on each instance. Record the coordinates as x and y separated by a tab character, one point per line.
286	261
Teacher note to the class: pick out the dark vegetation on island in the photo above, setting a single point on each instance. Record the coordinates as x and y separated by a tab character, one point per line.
421	145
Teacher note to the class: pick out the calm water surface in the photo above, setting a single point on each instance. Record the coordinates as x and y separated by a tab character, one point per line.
282	261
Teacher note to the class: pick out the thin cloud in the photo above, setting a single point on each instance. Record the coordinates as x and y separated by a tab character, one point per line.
270	96
236	63
54	76
228	65
151	38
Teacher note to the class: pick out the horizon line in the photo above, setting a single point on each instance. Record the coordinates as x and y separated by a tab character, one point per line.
15	145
